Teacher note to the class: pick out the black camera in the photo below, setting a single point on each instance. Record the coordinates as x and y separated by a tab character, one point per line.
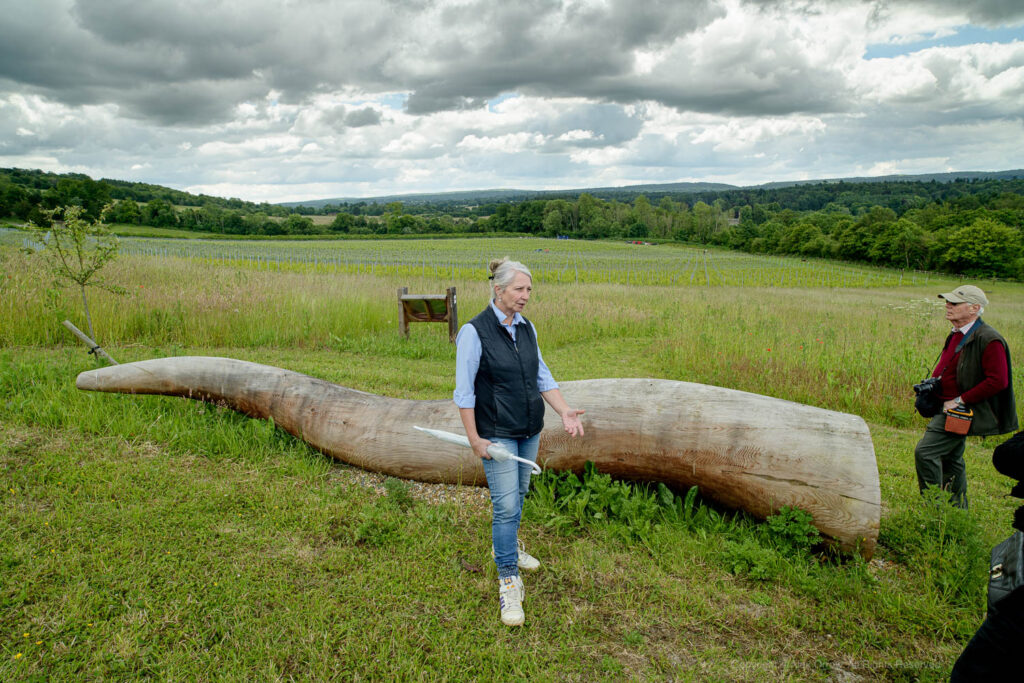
927	402
927	385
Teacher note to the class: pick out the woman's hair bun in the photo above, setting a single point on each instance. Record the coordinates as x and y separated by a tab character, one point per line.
503	271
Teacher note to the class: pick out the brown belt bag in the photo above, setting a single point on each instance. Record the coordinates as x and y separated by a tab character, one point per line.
958	420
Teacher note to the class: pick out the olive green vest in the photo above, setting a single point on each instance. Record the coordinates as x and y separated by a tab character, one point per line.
996	414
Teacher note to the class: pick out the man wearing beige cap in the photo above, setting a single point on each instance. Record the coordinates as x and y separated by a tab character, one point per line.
974	371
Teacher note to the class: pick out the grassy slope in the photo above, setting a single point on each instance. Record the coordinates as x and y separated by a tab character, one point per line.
148	536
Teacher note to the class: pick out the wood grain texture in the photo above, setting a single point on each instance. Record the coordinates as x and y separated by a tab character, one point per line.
745	451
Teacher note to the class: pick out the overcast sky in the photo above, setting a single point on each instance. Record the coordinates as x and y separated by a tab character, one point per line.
289	100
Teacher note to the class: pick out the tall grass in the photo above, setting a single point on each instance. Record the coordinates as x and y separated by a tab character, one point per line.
856	350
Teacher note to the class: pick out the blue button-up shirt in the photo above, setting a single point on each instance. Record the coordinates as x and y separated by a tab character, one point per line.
467	360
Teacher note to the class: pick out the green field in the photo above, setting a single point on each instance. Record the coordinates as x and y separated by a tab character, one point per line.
149	537
552	261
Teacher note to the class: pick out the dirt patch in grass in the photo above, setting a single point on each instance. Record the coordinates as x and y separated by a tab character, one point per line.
474	499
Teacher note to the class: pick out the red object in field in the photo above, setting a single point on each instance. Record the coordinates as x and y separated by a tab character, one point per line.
958	420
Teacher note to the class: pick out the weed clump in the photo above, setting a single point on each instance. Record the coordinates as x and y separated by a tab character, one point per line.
762	554
747	557
790	532
398	493
782	547
566	503
382	523
945	543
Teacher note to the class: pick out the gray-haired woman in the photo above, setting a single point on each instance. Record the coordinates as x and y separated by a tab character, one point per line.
500	381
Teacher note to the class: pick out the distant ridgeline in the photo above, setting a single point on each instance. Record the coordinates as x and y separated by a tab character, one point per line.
968	223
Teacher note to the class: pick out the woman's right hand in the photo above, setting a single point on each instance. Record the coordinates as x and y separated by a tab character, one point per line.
480	445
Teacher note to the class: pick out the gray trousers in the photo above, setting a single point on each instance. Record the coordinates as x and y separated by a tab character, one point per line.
939	458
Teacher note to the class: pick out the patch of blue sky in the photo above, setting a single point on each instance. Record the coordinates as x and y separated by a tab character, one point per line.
965	35
493	103
394	100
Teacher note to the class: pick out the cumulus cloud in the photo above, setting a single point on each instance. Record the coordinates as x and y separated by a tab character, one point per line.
970	82
982	12
351	97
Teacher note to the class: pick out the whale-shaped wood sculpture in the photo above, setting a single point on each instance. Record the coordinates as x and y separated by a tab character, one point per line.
743	450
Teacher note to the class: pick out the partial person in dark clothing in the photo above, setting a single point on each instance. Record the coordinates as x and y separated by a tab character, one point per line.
1008	459
993	653
975	372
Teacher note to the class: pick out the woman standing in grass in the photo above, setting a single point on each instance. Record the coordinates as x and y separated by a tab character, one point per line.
500	379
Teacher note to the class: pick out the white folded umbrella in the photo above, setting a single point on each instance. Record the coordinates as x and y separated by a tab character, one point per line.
495	450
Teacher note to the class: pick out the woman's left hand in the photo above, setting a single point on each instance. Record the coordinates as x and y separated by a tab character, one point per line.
571	422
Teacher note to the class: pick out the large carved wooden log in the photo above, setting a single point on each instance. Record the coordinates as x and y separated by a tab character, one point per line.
743	450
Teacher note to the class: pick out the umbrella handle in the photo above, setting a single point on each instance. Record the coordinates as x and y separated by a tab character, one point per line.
500	453
495	450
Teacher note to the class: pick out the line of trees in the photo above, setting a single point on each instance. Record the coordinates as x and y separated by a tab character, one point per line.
28	194
972	227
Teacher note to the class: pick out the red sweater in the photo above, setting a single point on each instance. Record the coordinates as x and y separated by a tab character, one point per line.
993	363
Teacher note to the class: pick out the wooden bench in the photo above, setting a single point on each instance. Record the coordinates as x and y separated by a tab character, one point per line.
428	308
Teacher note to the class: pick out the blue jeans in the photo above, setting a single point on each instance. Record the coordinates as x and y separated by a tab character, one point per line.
509	481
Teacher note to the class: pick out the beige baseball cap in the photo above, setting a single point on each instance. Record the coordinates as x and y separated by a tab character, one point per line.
968	293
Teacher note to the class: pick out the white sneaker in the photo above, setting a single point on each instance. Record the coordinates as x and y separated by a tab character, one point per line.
524	559
510	597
